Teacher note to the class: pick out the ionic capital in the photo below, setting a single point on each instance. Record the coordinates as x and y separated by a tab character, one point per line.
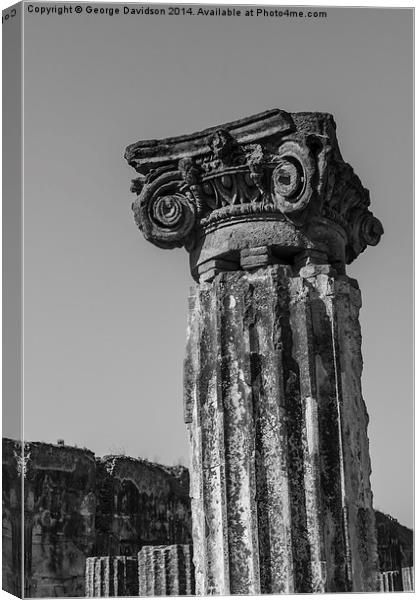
275	179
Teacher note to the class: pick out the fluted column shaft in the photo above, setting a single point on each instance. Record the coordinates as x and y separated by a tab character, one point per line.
280	488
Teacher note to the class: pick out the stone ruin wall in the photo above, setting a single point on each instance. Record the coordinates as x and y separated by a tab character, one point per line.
140	504
78	506
59	517
120	511
395	543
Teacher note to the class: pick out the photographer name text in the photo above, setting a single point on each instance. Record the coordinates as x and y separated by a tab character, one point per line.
147	10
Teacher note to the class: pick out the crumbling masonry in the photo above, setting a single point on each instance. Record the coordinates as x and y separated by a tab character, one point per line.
118	526
76	506
270	215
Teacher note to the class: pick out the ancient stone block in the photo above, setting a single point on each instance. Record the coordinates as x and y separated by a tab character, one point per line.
12	516
73	507
56	512
395	543
408	579
166	571
140	503
111	576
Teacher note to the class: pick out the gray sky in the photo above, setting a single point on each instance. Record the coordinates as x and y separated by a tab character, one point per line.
105	311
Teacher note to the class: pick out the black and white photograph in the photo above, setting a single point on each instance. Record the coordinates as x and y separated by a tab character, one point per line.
208	232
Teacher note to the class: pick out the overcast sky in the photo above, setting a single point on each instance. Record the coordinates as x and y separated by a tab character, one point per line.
105	311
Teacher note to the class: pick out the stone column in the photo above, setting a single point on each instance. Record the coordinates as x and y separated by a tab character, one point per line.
166	571
270	215
111	576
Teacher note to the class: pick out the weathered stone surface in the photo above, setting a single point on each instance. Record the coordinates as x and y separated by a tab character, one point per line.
74	507
408	579
140	503
166	571
111	576
276	179
270	214
118	574
58	516
12	509
395	543
280	488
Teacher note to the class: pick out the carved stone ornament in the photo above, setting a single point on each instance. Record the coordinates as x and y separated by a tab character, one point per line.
275	180
22	456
